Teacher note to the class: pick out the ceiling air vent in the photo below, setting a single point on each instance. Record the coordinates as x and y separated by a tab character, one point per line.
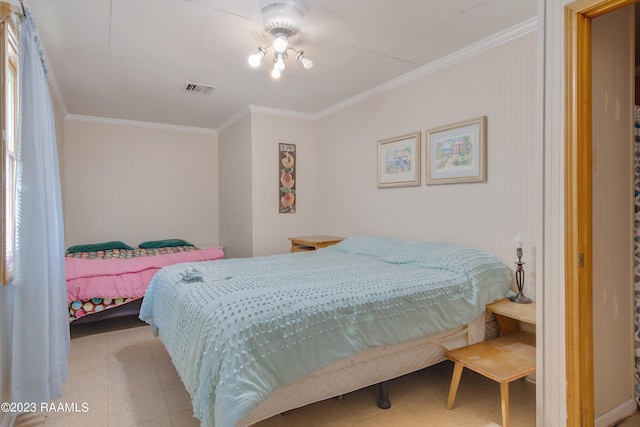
197	88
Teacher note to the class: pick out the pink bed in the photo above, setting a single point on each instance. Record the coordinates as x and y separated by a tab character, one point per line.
108	279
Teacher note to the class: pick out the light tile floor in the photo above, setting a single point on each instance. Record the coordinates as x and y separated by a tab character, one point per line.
126	378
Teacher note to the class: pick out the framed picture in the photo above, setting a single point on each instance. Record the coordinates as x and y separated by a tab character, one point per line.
287	181
457	153
399	161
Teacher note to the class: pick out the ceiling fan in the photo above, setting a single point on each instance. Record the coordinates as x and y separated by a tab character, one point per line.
280	32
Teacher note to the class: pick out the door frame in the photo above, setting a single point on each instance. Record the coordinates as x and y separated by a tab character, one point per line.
578	207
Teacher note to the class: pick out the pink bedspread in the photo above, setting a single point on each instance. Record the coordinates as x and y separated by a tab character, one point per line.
123	278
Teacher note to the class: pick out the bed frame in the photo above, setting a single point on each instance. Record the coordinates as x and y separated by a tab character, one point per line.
131	308
374	366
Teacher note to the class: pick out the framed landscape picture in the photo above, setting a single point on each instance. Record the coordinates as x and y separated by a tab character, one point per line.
457	153
399	161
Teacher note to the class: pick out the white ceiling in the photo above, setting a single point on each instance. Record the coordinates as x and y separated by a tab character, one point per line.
128	59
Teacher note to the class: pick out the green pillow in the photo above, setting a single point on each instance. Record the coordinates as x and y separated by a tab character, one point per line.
167	243
116	244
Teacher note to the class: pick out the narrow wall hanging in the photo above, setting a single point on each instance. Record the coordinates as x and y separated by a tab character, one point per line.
287	184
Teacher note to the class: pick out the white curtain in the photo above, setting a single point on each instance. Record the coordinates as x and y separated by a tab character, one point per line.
636	250
40	338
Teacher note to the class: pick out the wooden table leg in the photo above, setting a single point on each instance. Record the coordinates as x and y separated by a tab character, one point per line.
455	382
504	402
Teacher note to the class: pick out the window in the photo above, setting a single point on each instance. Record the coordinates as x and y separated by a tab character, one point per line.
9	75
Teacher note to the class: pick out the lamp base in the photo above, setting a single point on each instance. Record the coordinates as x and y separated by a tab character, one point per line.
521	299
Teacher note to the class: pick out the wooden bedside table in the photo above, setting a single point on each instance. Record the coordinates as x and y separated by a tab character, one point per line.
508	314
311	243
502	359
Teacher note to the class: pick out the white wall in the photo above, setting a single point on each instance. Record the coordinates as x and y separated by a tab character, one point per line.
136	183
552	390
500	84
235	174
271	228
613	70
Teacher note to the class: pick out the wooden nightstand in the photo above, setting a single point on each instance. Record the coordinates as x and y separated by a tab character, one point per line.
311	243
508	314
502	359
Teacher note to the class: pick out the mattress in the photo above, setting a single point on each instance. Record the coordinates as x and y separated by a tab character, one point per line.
101	280
238	329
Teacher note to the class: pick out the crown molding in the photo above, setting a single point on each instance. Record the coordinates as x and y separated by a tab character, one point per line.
249	109
470	51
233	119
282	113
134	123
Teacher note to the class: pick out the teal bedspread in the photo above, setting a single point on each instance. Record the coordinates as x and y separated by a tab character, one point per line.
237	329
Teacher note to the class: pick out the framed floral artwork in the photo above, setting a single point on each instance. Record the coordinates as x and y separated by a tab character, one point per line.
287	184
399	161
457	153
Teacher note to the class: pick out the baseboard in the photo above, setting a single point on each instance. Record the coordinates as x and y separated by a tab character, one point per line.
617	414
9	419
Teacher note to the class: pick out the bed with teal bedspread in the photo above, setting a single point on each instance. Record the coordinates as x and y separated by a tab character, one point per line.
237	329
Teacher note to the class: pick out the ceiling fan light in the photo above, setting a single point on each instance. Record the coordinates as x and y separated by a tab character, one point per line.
281	31
280	43
306	62
255	59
